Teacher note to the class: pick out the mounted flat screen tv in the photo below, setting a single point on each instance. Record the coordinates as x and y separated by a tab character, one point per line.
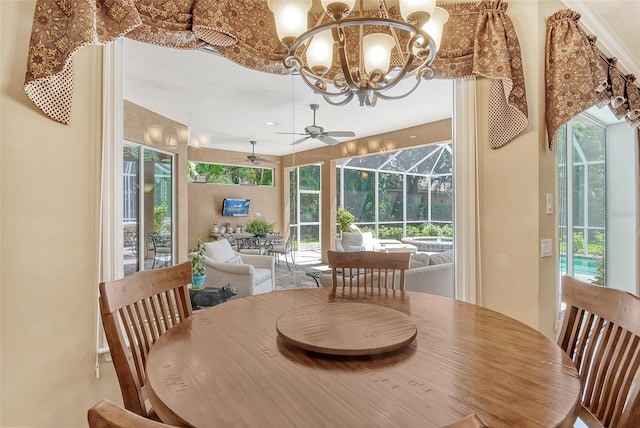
235	207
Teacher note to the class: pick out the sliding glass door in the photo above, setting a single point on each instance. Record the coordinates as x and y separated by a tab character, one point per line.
148	207
597	200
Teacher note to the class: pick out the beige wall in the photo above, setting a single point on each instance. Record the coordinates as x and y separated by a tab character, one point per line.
205	200
50	176
512	183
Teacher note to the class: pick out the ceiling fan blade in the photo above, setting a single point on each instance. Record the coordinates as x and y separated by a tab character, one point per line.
290	133
301	139
328	140
340	133
269	161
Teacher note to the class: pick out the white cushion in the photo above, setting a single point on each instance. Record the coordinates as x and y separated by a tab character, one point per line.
354	248
419	260
367	241
351	239
261	275
219	251
439	258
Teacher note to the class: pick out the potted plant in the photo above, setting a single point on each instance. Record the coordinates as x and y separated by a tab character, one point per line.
259	227
344	218
198	271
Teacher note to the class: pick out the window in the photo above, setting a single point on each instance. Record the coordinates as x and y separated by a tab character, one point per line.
202	172
306	206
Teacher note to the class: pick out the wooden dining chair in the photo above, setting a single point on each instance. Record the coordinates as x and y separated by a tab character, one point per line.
601	334
471	421
368	269
106	414
136	310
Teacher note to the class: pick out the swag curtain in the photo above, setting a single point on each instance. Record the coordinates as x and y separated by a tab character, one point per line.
478	40
579	76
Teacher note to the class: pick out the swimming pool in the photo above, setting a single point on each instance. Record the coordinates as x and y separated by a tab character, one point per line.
582	265
430	243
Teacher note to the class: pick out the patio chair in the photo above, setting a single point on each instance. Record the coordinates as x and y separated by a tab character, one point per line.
136	310
372	269
106	414
285	249
162	249
601	335
250	274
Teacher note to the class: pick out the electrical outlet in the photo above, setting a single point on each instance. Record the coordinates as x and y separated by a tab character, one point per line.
549	203
546	249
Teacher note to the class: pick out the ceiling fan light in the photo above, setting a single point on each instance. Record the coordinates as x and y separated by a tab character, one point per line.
435	25
377	52
290	17
418	11
320	52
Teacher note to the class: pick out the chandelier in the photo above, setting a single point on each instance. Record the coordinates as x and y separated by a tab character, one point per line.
374	51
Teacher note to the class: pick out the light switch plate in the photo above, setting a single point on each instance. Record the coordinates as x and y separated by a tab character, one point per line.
549	203
546	249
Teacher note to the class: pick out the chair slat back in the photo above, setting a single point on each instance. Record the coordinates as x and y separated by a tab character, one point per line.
601	334
136	310
106	414
368	269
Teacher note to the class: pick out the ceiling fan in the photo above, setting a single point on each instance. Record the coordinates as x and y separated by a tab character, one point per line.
317	132
255	159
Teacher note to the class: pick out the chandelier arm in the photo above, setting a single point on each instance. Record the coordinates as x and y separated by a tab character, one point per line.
318	86
340	38
349	97
397	97
396	79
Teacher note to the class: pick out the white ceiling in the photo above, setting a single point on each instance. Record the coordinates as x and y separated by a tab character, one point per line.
226	105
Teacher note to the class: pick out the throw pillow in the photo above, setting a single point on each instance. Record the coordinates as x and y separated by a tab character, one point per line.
367	240
236	260
419	260
354	248
351	239
218	250
439	258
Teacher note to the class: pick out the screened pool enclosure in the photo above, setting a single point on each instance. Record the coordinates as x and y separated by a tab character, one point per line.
397	194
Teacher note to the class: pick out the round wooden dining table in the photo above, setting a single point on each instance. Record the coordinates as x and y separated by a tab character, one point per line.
227	367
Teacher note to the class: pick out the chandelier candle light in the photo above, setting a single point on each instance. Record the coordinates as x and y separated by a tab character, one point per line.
311	50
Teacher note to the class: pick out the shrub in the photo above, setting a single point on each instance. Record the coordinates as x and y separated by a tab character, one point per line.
578	242
414	231
344	218
385	232
431	229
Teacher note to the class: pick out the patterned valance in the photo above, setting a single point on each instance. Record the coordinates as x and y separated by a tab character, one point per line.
579	76
478	40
